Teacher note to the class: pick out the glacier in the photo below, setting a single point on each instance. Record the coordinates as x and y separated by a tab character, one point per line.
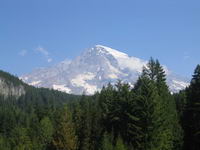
94	68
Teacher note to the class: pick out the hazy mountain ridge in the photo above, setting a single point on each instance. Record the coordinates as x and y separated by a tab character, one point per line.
94	68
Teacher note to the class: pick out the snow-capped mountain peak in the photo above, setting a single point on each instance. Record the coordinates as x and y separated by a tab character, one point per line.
94	68
115	53
124	61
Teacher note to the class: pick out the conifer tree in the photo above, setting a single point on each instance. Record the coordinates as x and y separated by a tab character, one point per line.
180	100
118	112
45	131
169	130
148	112
82	123
192	113
64	137
106	99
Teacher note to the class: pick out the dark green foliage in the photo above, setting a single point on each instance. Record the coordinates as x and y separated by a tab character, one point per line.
171	131
180	99
192	113
86	116
147	111
118	115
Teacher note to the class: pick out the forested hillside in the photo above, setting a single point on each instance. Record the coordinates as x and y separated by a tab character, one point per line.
119	117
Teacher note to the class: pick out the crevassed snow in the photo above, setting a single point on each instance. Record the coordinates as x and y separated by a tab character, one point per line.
114	71
124	60
115	53
62	88
80	81
34	83
176	85
180	83
81	78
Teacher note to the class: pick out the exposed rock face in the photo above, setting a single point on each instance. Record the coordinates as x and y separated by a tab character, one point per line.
8	89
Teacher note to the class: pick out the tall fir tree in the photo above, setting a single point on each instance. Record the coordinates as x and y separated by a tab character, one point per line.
82	123
171	133
64	137
192	113
148	111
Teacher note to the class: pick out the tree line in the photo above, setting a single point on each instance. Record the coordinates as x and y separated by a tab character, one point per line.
119	117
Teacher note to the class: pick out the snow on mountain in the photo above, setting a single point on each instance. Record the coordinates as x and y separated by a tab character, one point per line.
34	83
178	85
123	59
81	81
62	88
94	68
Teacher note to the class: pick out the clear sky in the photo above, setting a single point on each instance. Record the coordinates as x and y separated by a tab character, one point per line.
37	33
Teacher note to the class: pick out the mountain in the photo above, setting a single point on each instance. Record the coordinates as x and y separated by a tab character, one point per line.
94	68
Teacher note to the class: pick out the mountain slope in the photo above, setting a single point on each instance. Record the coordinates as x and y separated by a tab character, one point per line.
94	68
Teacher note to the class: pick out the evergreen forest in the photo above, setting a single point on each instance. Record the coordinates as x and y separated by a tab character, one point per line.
119	117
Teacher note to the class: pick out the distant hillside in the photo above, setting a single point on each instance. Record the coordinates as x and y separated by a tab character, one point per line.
12	87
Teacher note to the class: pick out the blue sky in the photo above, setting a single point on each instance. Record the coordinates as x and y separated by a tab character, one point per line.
37	33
